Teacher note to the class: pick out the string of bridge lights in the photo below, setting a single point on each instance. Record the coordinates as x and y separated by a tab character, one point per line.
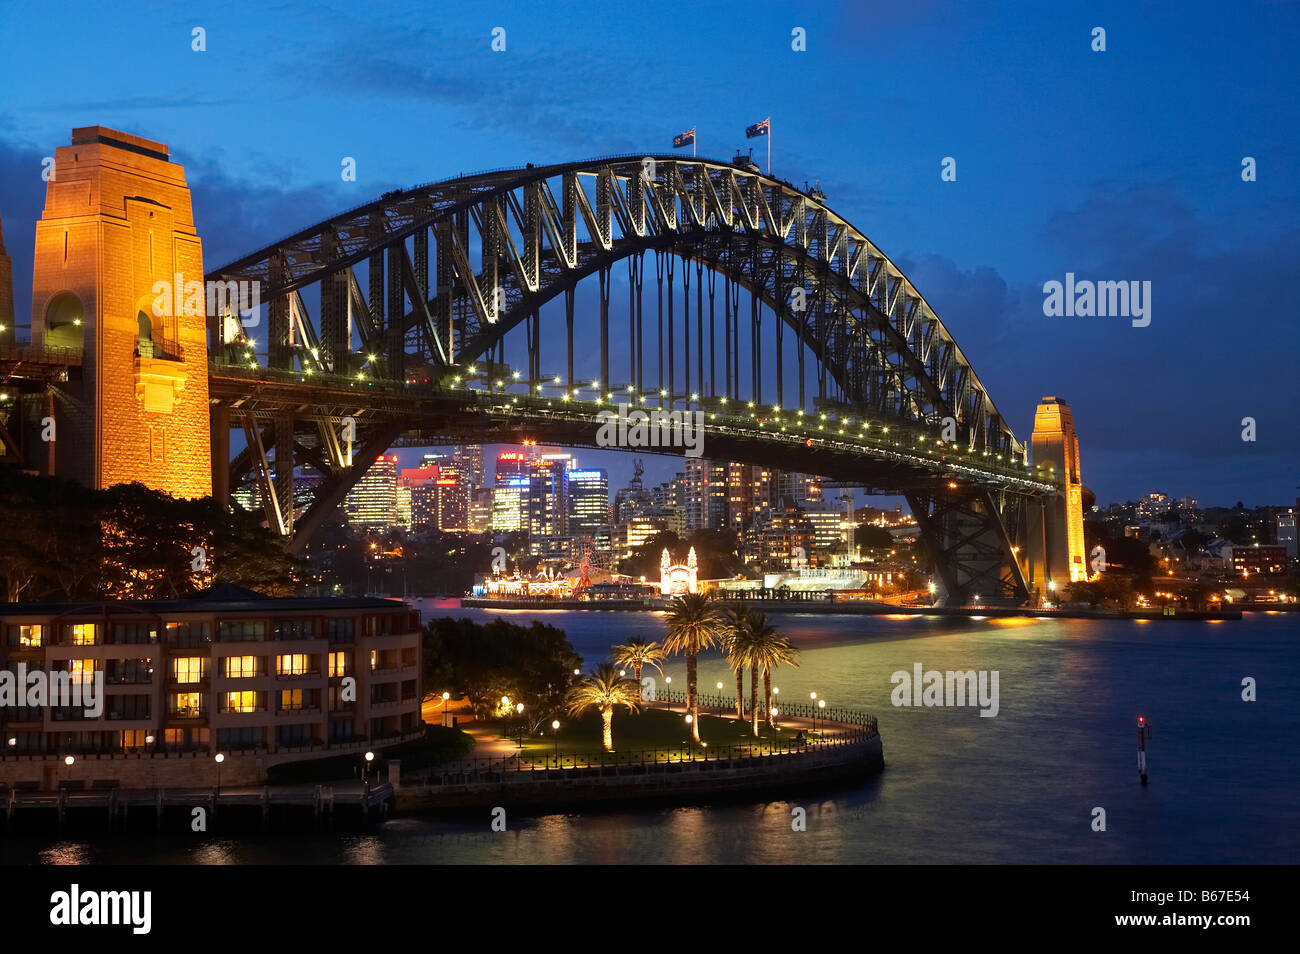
574	395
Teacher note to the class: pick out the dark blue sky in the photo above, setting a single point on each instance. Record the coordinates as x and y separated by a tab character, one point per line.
1122	165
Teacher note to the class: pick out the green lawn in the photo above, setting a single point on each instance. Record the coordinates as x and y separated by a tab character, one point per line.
646	732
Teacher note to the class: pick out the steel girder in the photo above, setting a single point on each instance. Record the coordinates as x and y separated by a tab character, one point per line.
504	246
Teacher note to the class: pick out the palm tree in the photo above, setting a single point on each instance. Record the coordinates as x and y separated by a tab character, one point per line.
747	635
603	690
774	652
636	652
734	646
693	626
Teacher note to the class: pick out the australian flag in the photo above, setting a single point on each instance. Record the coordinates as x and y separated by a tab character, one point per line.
758	129
685	139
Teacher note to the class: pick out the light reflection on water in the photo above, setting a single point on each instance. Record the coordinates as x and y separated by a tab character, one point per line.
957	788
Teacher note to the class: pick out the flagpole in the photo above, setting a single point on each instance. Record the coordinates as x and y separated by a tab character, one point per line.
769	147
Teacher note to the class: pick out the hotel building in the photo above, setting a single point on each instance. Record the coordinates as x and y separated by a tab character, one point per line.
259	680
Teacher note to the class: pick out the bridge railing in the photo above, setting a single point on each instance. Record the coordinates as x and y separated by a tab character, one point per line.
43	355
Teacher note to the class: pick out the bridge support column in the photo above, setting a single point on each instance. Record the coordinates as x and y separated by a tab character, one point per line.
220	423
963	532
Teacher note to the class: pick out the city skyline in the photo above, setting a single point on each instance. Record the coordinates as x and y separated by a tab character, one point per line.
1118	188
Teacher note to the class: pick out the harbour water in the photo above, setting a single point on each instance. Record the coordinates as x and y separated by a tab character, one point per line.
1022	786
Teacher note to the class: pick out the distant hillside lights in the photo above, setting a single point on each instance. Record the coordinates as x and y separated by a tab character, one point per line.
1087	299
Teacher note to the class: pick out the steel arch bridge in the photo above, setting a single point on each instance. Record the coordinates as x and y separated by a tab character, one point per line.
879	394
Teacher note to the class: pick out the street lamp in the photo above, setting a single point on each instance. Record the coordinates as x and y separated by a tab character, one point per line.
365	772
1051	588
220	757
821	704
689	745
555	727
519	712
719	700
445	697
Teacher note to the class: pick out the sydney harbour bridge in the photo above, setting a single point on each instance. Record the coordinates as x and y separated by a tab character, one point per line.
740	297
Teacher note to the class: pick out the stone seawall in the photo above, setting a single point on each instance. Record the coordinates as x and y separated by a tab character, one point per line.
618	786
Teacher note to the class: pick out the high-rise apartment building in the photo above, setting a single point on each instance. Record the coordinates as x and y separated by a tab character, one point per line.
588	502
372	503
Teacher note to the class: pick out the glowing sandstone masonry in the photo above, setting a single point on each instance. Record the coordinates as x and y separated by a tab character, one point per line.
117	221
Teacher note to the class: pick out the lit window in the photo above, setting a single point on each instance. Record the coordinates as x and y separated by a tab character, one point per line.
291	699
83	670
239	667
82	634
339	662
245	701
189	668
291	664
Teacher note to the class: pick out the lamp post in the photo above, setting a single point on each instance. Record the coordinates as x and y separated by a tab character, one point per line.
719	700
220	757
365	771
689	745
445	697
555	728
821	704
1051	588
519	713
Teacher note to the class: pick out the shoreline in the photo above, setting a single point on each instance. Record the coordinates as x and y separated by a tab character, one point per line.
860	608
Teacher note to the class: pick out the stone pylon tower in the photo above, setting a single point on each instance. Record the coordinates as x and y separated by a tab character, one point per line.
6	294
118	278
1055	538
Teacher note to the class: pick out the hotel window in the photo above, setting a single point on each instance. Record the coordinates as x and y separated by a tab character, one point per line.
187	704
82	634
244	701
129	707
236	630
83	670
340	630
293	735
189	634
134	738
291	664
129	633
247	738
340	663
340	704
374	660
189	668
295	629
25	637
291	699
240	667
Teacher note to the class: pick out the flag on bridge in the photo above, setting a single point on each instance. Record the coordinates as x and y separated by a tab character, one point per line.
759	129
685	139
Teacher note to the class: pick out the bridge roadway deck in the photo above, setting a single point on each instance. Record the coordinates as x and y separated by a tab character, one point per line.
887	456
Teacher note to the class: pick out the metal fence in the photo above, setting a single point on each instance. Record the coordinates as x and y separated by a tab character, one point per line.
724	705
847	728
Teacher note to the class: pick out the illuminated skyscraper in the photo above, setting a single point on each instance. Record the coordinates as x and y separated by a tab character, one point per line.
372	503
588	502
1056	549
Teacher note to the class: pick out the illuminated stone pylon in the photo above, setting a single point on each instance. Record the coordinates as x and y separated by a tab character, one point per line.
1055	539
117	223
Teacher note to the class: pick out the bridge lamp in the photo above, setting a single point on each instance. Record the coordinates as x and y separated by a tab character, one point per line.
370	357
663	393
751	403
695	397
724	400
595	384
77	322
473	370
